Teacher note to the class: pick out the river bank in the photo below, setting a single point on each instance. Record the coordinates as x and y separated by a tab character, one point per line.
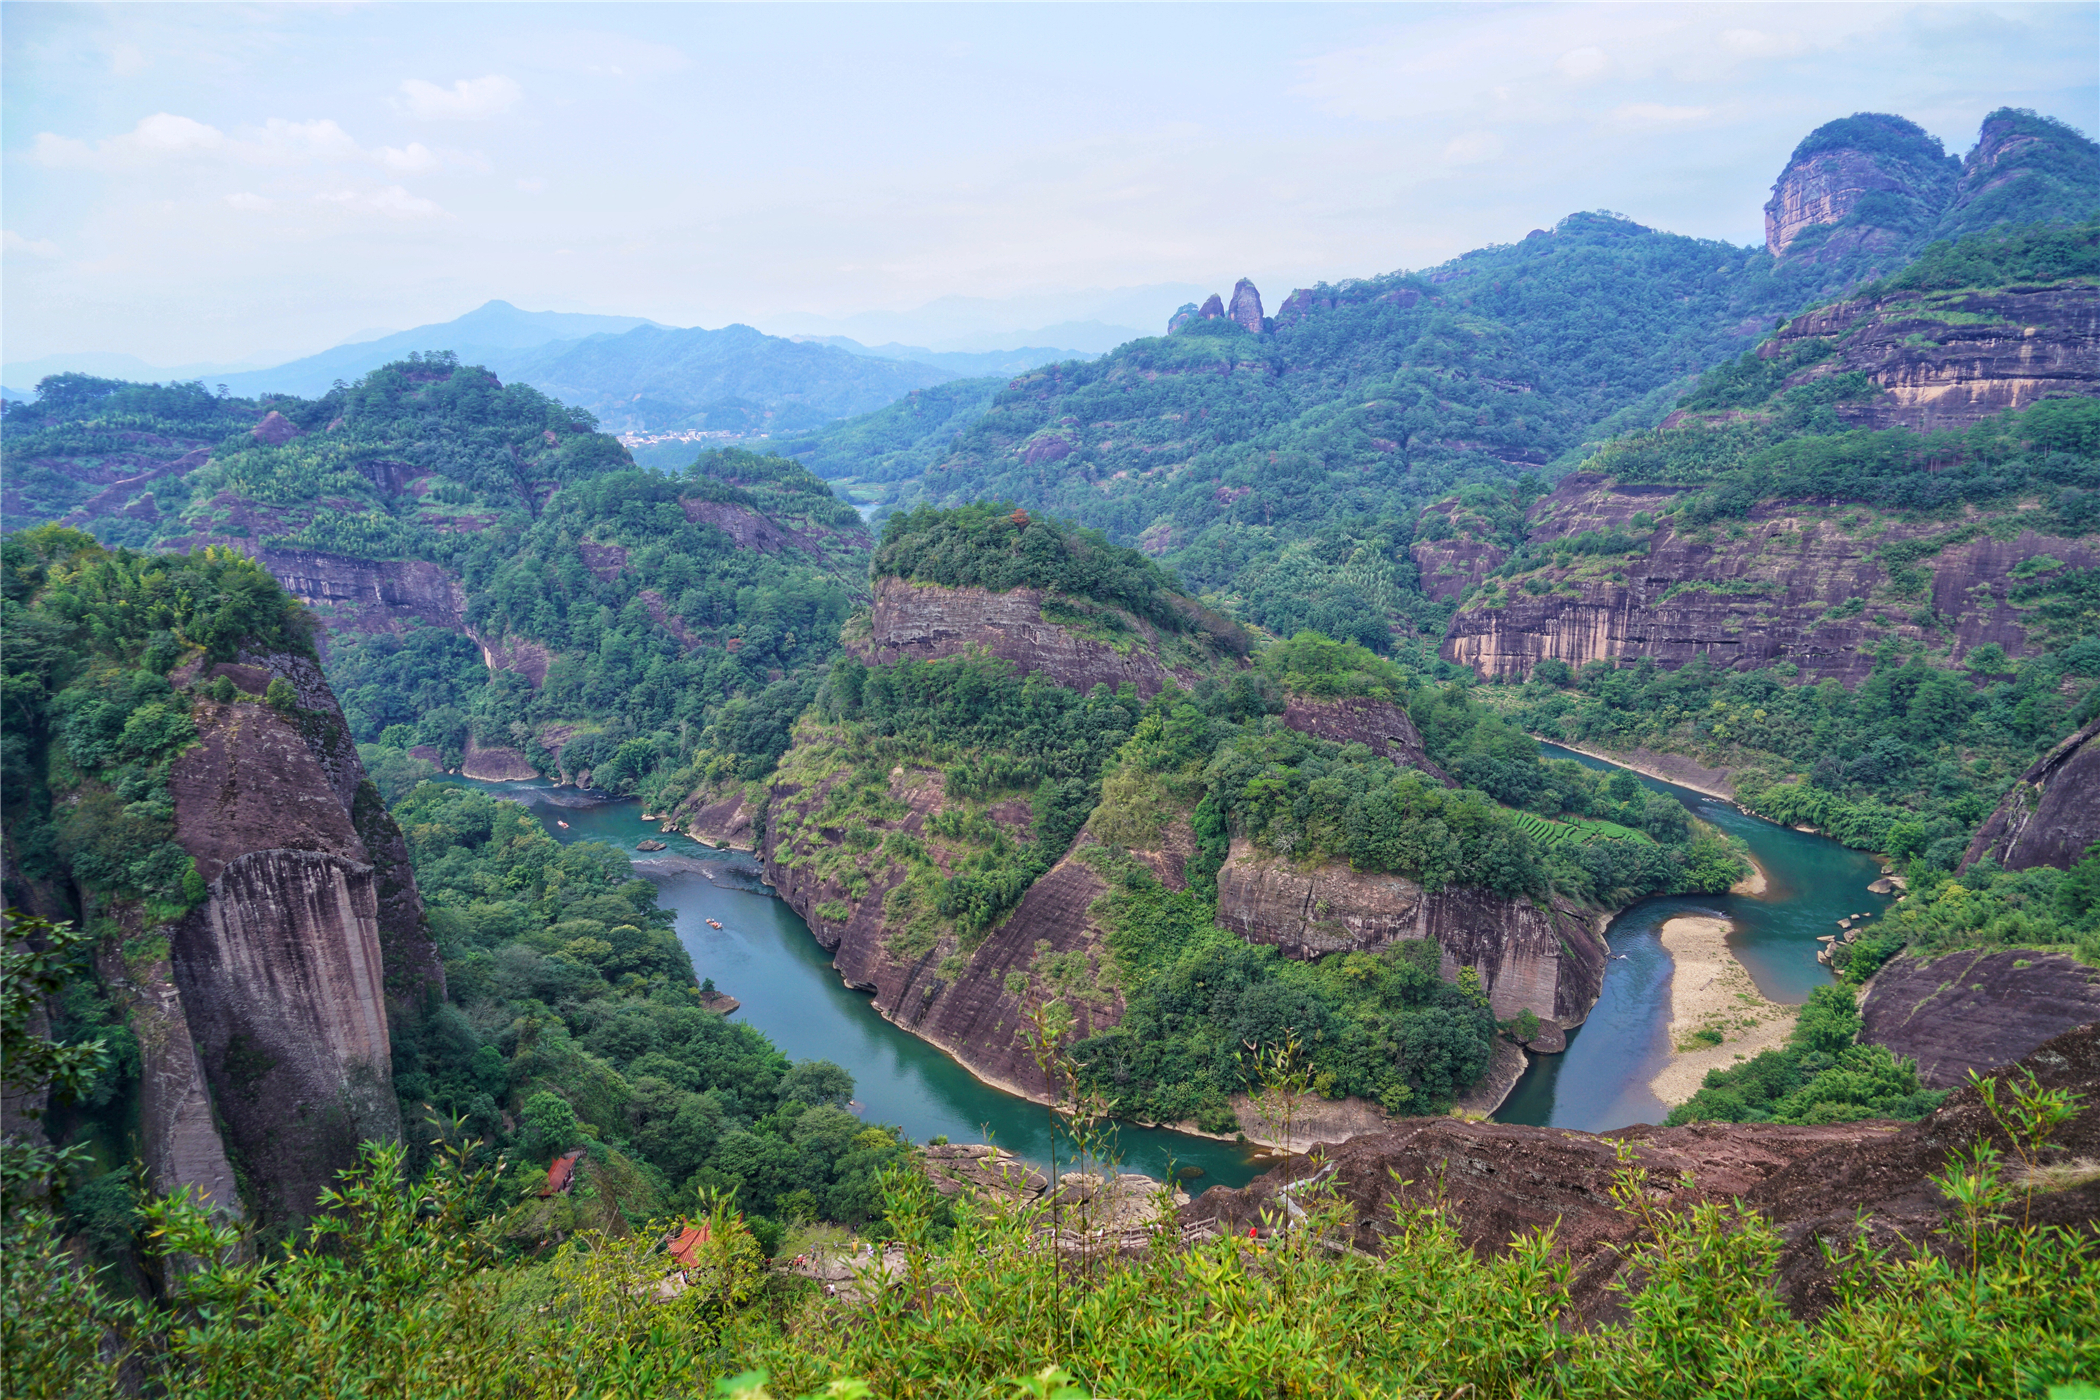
1717	1015
1672	768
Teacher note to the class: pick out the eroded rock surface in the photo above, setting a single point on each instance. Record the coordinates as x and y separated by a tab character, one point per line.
1549	962
1379	725
1799	585
924	622
2052	815
1499	1179
364	595
1975	1009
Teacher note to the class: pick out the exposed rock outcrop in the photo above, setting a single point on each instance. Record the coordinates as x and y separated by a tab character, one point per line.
1975	1009
1815	1183
499	764
1380	725
1789	589
1948	360
1213	308
2023	166
1549	962
924	622
364	595
972	1016
1245	309
2052	815
1874	182
311	936
275	430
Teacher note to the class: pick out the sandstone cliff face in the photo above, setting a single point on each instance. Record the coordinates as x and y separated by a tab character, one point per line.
2052	815
924	622
1882	169
1975	1009
1246	307
1549	962
1950	359
1743	602
312	935
971	1015
1379	725
364	595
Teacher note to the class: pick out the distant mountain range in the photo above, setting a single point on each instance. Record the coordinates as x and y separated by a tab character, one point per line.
637	375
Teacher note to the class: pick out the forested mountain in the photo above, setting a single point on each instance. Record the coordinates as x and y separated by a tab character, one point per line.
1281	470
506	591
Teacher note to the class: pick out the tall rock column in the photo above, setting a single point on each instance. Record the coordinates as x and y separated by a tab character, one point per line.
1246	307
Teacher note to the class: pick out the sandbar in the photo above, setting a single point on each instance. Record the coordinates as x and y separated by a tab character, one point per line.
1755	882
1711	991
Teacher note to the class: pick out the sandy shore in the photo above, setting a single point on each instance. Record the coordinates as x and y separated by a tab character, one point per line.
1755	882
1711	991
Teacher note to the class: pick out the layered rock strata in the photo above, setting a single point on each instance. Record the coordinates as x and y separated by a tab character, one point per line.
364	595
1549	962
1801	583
1975	1009
1947	360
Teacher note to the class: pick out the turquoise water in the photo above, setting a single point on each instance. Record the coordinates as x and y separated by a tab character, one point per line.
765	956
1601	1081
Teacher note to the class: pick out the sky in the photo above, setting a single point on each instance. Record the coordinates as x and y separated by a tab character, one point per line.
246	183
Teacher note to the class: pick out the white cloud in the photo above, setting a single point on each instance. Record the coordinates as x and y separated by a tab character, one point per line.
1755	43
393	201
469	99
281	142
414	156
1657	114
12	242
127	61
162	134
1583	64
250	202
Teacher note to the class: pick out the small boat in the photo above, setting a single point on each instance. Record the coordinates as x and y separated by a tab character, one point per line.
714	923
560	823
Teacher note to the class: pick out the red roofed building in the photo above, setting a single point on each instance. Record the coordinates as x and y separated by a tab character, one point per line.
561	1174
686	1243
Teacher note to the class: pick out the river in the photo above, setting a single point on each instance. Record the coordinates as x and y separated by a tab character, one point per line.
765	956
1600	1081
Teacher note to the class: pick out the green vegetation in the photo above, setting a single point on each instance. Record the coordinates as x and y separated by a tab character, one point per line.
2002	257
898	441
397	1291
573	1013
1907	764
1985	907
92	721
1821	1076
672	654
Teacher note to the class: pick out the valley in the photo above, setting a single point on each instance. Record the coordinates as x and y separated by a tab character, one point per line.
1254	744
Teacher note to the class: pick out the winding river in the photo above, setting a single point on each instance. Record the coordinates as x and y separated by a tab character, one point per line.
764	955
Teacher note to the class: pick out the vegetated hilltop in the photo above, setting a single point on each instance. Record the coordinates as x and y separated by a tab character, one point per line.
1043	783
1280	462
180	782
507	593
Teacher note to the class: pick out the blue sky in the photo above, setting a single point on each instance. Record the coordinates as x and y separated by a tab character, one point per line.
213	183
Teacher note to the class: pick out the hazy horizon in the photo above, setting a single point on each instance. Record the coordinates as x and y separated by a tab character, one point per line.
217	184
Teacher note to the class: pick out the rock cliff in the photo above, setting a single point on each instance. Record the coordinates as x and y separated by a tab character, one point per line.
966	1008
1946	360
1546	961
2052	815
924	622
311	936
1814	1183
1975	1009
1869	184
365	595
1246	307
1789	587
1379	725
